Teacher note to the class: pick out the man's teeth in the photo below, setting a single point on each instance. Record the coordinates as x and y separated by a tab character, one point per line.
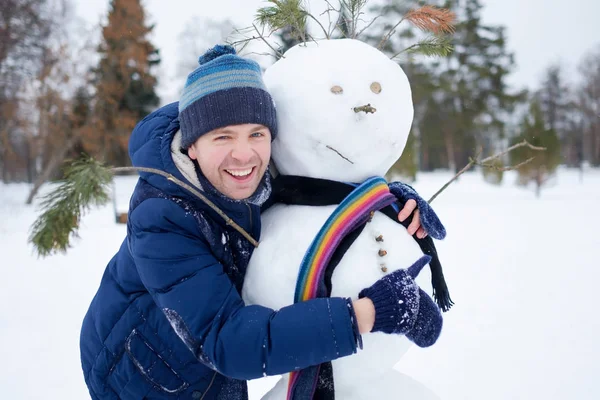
242	172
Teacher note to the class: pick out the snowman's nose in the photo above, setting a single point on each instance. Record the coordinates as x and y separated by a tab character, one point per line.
367	108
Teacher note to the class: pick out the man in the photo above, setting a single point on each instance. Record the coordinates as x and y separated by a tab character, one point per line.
168	320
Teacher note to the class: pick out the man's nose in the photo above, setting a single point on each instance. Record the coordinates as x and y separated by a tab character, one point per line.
242	151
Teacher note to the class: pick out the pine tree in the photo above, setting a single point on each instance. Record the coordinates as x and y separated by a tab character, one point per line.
588	102
473	86
125	86
464	100
25	27
404	41
558	110
536	132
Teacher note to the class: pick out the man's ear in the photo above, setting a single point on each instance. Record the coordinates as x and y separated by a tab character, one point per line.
192	152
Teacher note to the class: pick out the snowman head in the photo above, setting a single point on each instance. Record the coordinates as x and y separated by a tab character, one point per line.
344	110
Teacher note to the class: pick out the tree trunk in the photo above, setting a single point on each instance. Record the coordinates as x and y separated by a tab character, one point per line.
424	159
450	153
52	166
596	148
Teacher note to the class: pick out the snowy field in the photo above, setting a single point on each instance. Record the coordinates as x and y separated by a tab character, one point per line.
522	271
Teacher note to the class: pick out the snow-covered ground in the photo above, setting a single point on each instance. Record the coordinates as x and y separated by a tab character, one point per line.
521	271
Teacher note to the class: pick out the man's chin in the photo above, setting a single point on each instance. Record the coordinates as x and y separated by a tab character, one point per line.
241	192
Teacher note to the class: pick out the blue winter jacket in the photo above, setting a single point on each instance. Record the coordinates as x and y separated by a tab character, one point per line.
168	321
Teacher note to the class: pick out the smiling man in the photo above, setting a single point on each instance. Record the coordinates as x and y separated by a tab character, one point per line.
168	320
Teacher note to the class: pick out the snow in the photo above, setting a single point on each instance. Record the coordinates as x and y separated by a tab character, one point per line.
521	270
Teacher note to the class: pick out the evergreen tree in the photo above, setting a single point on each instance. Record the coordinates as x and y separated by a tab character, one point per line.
25	26
395	38
558	110
588	103
80	116
473	91
125	86
463	99
537	133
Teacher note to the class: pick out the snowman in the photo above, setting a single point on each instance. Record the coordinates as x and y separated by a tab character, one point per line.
345	112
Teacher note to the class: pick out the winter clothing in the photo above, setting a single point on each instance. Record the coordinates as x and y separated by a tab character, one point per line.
402	307
224	90
168	320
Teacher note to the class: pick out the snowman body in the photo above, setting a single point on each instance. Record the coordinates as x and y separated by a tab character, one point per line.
344	114
271	281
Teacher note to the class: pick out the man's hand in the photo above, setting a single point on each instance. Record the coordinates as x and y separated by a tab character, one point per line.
415	225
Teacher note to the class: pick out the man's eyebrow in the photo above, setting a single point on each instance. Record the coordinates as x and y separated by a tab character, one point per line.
221	131
258	127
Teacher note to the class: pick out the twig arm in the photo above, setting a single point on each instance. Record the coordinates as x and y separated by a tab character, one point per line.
483	163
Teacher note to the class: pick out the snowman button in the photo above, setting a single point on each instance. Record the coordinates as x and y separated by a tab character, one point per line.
383	268
371	215
382	253
379	238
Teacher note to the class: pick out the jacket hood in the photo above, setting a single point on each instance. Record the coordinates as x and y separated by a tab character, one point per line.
150	146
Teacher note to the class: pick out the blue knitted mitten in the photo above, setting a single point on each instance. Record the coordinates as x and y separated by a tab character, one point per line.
429	219
401	307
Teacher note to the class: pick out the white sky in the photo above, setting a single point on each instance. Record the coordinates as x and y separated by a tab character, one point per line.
538	33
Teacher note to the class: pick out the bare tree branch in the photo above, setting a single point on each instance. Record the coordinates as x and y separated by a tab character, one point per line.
321	25
524	143
280	54
329	9
483	163
368	26
388	35
509	168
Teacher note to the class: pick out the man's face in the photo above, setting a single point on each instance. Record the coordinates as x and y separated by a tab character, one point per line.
234	158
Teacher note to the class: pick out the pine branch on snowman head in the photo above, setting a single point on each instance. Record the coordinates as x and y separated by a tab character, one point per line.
290	17
352	9
284	14
429	19
433	46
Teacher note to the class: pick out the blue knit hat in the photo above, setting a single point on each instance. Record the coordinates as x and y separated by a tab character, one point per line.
224	90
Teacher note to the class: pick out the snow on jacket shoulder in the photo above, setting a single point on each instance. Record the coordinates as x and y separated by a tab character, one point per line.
168	320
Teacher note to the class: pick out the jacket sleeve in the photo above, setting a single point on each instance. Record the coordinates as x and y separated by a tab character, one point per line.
201	303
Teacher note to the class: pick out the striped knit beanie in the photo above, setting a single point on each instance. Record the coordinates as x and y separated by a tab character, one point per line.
224	90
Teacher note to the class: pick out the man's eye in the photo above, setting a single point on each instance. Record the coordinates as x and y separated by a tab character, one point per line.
222	138
257	134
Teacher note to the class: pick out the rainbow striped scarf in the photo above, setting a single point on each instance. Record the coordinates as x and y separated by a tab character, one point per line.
356	209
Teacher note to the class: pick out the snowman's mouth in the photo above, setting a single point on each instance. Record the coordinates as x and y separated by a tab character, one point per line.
339	154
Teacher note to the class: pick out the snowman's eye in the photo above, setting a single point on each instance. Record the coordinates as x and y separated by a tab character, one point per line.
337	89
376	87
